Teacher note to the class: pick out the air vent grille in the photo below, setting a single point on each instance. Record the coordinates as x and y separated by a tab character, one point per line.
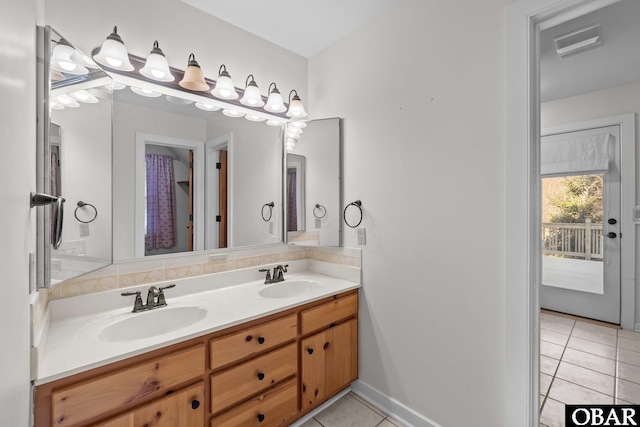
579	41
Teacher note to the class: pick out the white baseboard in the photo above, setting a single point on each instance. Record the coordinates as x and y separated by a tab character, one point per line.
391	406
636	328
320	408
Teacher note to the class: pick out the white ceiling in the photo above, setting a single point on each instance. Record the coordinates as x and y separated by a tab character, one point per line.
615	63
302	26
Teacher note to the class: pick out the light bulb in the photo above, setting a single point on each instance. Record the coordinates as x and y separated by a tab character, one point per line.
232	113
224	87
275	103
206	107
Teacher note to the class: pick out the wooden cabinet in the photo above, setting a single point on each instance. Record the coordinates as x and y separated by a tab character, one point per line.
266	372
329	362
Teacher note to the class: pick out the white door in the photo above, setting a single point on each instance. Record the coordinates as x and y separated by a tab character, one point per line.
581	229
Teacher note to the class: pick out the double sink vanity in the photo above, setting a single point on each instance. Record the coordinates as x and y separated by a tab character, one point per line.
226	350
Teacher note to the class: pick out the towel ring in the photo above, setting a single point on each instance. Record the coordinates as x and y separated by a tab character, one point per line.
320	208
270	206
82	204
357	204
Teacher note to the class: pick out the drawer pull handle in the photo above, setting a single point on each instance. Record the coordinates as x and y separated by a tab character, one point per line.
195	404
260	418
260	340
326	345
310	350
260	376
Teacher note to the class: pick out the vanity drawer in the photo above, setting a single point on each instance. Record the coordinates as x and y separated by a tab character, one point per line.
324	315
270	409
237	346
235	384
75	404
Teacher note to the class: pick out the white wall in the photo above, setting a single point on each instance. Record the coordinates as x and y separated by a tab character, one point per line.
127	120
256	166
603	103
421	92
17	178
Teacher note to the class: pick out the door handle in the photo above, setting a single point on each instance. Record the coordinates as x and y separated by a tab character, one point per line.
611	235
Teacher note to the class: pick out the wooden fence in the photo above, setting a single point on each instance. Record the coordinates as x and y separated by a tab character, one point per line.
576	240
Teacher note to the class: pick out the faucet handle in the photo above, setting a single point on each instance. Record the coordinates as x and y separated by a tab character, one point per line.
267	279
284	268
137	305
161	300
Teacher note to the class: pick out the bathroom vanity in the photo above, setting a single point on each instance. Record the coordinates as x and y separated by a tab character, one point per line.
267	371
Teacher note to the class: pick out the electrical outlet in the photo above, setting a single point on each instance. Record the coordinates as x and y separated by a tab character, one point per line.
270	227
84	230
318	223
362	236
218	258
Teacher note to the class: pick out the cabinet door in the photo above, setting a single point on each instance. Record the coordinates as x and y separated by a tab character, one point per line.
329	362
182	408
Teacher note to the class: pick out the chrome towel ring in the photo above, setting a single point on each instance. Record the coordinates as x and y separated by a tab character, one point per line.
357	204
82	204
320	209
270	206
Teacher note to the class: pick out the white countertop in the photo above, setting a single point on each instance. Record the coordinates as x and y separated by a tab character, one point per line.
73	341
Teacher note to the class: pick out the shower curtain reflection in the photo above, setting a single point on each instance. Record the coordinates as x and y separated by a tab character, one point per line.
160	202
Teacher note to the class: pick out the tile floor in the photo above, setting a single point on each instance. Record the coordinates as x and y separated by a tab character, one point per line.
583	362
352	411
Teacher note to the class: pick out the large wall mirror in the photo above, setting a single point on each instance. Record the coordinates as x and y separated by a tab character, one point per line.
313	183
74	161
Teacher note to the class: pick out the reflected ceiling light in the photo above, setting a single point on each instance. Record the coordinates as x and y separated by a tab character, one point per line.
207	107
56	75
232	113
118	86
291	143
157	67
298	124
67	101
252	96
294	130
193	76
293	134
178	101
145	92
84	96
272	122
61	59
274	102
113	53
56	106
224	88
296	109
254	118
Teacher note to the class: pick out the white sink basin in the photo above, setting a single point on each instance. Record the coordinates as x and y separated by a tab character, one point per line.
151	323
288	288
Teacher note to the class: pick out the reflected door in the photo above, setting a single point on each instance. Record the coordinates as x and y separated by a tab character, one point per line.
580	230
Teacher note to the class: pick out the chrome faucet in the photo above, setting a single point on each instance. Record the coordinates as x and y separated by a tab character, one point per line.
155	298
278	274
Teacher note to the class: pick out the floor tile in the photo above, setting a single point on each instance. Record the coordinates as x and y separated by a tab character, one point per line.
632	335
586	378
589	361
553	337
551	350
628	391
311	423
629	344
628	356
629	372
348	412
592	347
597	336
367	404
548	365
569	393
545	382
552	414
556	324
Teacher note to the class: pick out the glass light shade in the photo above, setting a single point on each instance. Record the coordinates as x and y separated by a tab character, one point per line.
298	124
61	60
232	113
118	86
294	130
252	96
206	107
67	101
224	88
275	104
254	118
84	96
194	77
157	67
56	76
178	101
113	53
274	123
145	92
293	135
296	109
55	105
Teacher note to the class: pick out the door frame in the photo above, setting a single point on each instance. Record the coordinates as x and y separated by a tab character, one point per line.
522	191
211	200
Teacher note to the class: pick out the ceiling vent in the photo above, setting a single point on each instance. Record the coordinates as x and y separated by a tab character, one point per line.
579	41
